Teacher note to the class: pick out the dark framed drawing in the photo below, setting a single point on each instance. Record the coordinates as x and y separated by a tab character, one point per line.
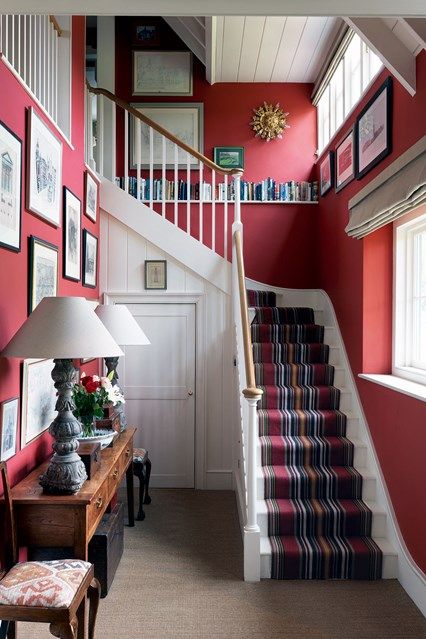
374	130
90	259
326	170
72	236
10	189
43	271
155	275
345	161
44	170
146	35
229	157
9	425
162	73
91	196
38	398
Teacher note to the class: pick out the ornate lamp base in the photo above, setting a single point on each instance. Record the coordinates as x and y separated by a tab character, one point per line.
66	473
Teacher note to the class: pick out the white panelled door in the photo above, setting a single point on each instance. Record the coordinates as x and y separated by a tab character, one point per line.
159	386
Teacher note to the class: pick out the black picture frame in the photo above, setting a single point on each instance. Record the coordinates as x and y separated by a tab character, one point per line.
68	194
87	269
33	242
360	125
150	285
326	186
7	245
349	134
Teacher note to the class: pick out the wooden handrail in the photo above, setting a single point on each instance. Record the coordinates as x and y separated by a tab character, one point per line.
251	391
56	26
143	118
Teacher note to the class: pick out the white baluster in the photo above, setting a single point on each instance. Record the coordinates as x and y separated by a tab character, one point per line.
91	156
225	218
55	77
24	48
138	158
163	177
12	58
213	210
251	529
151	166
176	194
126	151
6	38
237	197
18	45
188	193
38	56
100	140
200	197
44	50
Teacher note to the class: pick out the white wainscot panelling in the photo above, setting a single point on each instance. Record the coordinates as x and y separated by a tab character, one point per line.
122	256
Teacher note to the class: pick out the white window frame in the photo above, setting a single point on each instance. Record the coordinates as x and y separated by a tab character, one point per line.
405	230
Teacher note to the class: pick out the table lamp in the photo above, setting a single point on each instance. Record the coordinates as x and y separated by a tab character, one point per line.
119	321
63	328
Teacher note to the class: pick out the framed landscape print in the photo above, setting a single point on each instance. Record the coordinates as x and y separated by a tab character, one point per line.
345	161
155	275
374	130
44	170
90	259
326	173
10	189
9	424
183	119
229	157
162	73
43	271
38	398
72	236
91	196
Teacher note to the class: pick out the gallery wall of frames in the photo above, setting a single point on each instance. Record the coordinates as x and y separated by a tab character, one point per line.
49	229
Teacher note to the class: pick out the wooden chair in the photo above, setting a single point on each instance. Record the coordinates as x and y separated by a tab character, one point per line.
51	592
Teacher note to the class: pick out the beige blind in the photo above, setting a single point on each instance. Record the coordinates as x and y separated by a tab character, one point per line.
403	191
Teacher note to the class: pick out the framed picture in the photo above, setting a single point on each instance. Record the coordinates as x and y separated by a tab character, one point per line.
345	161
38	398
326	173
374	130
91	196
72	236
90	259
162	73
44	170
146	35
155	275
10	189
9	424
183	119
229	157
43	271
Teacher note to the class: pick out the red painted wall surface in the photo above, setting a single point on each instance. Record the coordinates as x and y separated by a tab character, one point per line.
273	233
14	266
357	274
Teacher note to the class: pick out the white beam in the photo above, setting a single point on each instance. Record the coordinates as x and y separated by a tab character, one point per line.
191	32
394	55
211	50
417	28
218	7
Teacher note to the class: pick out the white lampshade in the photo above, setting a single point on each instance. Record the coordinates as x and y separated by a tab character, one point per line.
122	325
62	328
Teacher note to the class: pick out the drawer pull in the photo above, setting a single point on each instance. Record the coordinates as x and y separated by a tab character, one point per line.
115	473
99	502
127	452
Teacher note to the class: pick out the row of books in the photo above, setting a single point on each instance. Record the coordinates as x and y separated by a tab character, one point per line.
266	191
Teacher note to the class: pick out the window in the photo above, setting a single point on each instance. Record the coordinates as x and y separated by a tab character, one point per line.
347	77
409	352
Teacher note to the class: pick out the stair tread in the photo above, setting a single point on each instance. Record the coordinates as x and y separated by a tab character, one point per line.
376	509
358	443
383	543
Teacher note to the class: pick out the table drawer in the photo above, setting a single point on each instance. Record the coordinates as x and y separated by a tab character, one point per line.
126	456
114	477
98	505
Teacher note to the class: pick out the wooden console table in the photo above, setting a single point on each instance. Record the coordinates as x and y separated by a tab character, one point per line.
71	520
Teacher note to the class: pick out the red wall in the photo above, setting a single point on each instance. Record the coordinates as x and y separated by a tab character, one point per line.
14	266
273	232
357	274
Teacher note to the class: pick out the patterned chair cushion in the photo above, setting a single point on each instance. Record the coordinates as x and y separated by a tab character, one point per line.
49	584
139	455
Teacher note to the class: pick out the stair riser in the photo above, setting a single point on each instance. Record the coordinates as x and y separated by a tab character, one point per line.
359	456
287	398
368	488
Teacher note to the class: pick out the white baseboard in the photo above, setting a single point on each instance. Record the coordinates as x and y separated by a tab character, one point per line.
219	480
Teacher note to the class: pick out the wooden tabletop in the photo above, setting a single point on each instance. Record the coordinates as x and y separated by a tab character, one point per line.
29	491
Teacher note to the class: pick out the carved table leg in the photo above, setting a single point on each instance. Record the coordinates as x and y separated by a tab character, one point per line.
147	499
130	495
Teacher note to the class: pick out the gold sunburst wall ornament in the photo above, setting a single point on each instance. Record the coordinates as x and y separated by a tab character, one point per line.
269	122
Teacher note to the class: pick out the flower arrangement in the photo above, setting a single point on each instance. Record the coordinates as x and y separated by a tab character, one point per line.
90	397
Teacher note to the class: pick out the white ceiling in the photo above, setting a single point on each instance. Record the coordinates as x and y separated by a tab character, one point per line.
272	48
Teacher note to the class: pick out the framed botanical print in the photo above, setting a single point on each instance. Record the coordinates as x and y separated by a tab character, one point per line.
162	73
38	398
345	161
9	424
72	236
155	275
10	189
326	173
91	196
44	170
43	271
374	130
90	259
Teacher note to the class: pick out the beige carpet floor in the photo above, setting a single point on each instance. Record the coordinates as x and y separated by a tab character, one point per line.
181	578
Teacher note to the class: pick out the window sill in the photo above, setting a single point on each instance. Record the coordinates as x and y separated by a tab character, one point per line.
405	386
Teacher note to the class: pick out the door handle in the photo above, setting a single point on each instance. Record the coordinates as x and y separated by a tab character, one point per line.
190	392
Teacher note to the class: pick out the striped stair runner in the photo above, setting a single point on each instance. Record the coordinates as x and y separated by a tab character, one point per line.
318	525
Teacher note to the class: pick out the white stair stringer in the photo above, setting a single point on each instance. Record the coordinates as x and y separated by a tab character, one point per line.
397	561
165	235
